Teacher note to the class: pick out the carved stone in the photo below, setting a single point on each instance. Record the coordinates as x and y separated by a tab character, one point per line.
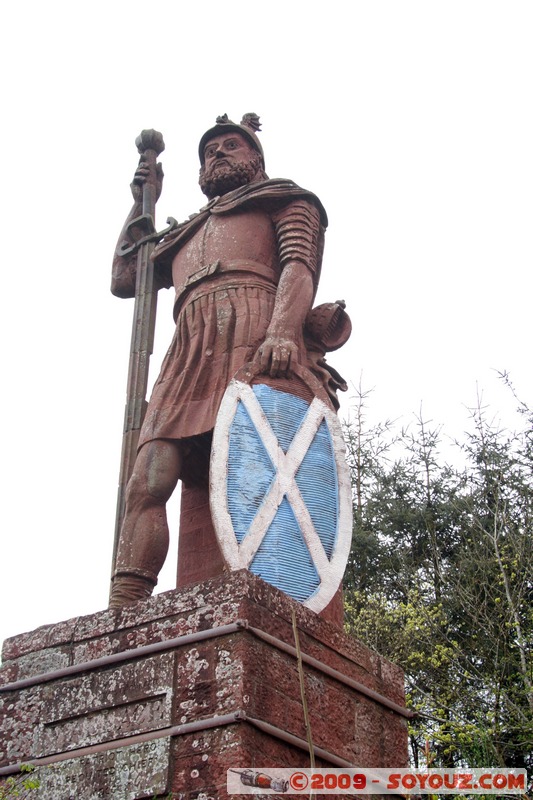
245	271
168	694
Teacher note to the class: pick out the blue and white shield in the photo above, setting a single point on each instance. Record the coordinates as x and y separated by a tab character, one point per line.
280	491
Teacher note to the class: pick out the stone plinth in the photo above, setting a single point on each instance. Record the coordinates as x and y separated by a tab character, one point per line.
166	695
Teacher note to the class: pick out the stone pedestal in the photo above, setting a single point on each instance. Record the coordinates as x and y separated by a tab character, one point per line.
164	696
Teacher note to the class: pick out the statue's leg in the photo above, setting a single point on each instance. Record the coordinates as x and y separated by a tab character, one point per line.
143	544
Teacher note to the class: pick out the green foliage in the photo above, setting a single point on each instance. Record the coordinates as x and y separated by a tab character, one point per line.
19	786
440	581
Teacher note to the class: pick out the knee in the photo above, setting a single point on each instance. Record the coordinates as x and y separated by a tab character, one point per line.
143	492
155	475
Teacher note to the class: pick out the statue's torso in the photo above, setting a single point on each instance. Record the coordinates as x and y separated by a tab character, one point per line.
225	245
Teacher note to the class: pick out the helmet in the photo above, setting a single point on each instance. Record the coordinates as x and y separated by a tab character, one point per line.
248	126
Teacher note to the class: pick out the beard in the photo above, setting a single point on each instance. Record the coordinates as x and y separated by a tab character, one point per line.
222	178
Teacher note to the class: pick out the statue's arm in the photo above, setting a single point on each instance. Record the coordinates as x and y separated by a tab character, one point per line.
282	344
124	270
299	235
123	273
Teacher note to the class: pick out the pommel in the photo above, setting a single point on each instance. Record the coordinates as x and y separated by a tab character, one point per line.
150	140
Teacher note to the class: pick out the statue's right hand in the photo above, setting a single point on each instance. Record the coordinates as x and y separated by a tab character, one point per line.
142	174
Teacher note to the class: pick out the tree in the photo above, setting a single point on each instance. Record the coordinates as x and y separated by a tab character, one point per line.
440	580
19	786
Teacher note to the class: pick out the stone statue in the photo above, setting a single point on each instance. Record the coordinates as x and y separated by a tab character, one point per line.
245	271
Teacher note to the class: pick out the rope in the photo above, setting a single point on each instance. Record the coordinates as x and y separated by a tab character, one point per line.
304	699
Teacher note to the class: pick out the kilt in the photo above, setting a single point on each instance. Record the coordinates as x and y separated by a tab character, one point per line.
217	332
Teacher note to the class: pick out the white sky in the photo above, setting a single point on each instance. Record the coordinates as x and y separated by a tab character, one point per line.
412	121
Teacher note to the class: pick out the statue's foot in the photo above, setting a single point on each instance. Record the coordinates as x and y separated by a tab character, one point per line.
128	588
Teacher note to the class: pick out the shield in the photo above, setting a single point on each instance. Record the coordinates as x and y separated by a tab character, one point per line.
280	489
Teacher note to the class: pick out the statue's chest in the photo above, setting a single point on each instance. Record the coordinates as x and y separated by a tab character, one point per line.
247	235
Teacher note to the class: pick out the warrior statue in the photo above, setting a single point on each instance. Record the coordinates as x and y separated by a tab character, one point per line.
245	271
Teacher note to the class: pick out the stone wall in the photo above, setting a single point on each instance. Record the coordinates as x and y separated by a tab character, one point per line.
166	695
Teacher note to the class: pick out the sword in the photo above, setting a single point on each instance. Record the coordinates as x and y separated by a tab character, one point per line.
149	144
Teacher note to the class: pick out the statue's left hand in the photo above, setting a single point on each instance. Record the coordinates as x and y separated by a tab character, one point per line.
276	355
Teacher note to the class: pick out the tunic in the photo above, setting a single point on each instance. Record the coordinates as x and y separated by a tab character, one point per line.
225	268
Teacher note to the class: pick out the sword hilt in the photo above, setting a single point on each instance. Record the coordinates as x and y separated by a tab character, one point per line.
150	144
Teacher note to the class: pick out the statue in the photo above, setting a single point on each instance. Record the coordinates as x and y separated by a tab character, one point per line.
245	271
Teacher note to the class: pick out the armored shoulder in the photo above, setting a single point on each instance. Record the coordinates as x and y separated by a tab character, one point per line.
300	234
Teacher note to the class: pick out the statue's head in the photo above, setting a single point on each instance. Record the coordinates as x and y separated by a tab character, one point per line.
231	155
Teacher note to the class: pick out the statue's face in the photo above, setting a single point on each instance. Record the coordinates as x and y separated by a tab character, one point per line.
229	148
229	162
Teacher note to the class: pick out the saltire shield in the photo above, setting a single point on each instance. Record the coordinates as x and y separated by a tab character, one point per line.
280	490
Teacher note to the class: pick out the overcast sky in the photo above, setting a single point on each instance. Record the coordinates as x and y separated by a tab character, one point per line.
413	123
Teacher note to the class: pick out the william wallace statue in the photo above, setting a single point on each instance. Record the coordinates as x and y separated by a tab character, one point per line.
245	271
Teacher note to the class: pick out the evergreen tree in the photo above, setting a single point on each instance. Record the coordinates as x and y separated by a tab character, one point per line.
440	580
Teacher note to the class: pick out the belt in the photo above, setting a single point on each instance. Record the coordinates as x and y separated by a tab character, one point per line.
219	268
